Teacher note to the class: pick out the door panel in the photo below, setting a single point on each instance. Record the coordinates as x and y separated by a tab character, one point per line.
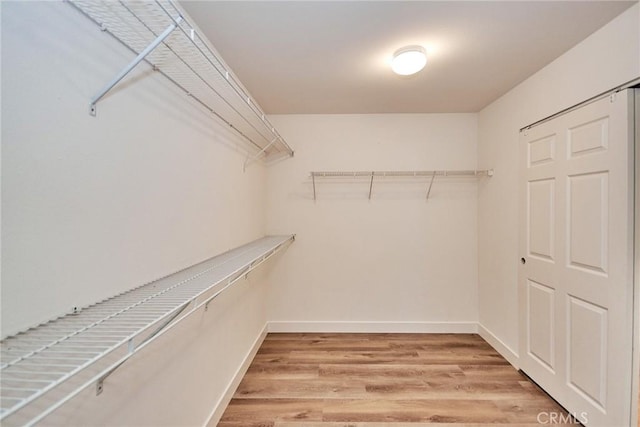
587	361
541	324
542	151
541	218
588	138
575	286
587	221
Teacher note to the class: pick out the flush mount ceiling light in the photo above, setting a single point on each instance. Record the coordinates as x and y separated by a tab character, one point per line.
409	60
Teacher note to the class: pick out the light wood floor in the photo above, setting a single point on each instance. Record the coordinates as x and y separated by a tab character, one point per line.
376	380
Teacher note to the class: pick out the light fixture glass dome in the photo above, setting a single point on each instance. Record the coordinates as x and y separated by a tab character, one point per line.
409	60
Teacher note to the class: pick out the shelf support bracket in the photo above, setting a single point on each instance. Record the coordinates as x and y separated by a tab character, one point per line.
141	56
245	271
313	181
132	347
433	176
258	154
371	185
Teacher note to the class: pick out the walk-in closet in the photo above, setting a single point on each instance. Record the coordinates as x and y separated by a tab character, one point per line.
319	213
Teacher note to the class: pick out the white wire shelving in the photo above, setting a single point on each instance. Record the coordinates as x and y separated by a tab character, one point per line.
46	366
419	174
160	33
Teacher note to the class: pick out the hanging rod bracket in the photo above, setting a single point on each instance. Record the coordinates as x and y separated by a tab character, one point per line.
141	56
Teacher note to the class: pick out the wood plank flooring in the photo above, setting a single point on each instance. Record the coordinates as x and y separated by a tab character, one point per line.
377	380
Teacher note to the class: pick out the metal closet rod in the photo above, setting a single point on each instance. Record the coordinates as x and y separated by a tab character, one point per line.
630	84
405	174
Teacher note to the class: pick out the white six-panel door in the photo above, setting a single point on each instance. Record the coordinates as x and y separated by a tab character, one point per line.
576	243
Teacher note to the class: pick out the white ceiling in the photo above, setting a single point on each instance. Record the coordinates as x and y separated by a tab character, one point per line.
333	56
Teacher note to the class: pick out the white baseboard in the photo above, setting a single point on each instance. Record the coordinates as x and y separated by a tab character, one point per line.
218	409
375	327
495	342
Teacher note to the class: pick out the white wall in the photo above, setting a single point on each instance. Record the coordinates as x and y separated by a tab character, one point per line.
396	262
607	58
94	206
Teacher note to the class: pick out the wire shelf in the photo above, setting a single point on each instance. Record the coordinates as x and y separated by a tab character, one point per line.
186	59
406	174
370	175
45	366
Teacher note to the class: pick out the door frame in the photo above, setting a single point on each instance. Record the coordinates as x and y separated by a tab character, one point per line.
635	380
